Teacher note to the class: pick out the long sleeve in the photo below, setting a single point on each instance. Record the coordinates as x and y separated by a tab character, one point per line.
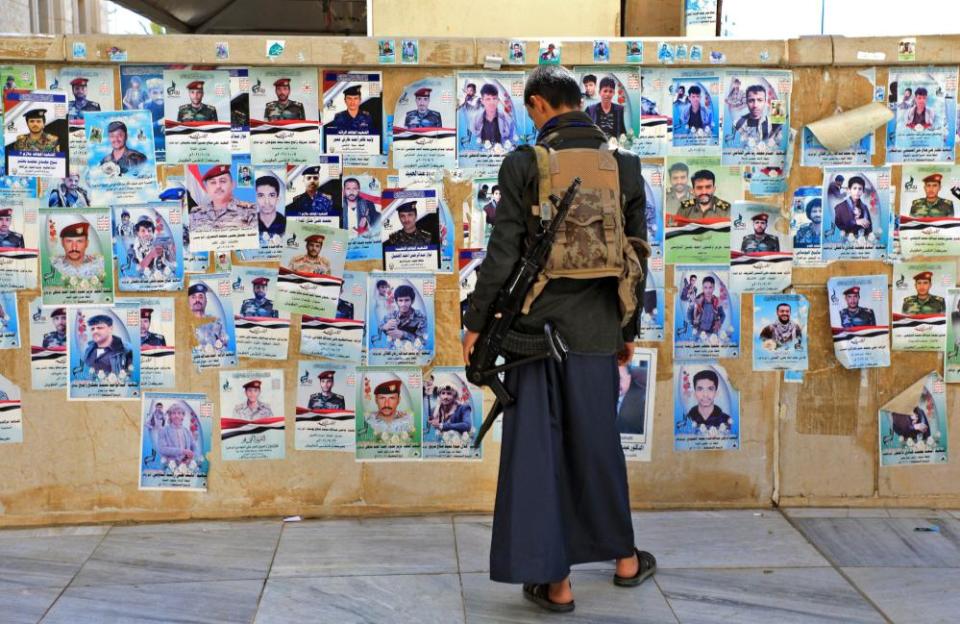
635	226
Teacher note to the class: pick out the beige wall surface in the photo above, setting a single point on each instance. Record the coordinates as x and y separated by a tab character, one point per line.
807	444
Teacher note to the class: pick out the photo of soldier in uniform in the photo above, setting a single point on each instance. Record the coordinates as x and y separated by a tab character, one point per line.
197	116
103	350
928	215
80	103
388	414
48	346
761	255
452	415
411	230
706	409
353	116
315	190
251	415
223	215
148	248
400	318
420	138
284	115
196	110
213	340
36	135
920	304
75	257
860	320
262	331
69	194
175	441
157	338
9	239
326	395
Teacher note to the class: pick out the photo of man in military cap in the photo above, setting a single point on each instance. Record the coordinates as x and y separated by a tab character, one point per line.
409	235
37	139
312	261
147	337
222	209
58	337
259	305
353	120
389	417
80	104
196	110
120	155
759	241
197	299
853	315
105	354
75	264
923	302
212	335
932	205
422	116
311	200
253	408
8	238
326	399
283	107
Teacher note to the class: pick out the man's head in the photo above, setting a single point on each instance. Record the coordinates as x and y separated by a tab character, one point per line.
79	86
72	181
197	298
6	216
855	186
756	101
490	98
920	98
176	415
422	97
59	318
407	213
907	93
704	186
281	87
351	97
36	120
314	245
125	217
155	89
326	381
145	315
268	194
679	176
922	282
783	312
705	384
760	223
260	287
117	134
608	88
931	185
74	240
195	91
589	85
693	95
495	193
387	396
252	390
383	287
852	296
550	91
311	179
470	90
709	284
814	210
351	189
145	230
404	296
448	390
218	182
101	329
681	92
693	280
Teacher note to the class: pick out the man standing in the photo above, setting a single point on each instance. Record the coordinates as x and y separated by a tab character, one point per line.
389	418
311	201
360	211
923	302
680	189
590	91
196	110
409	235
694	117
312	261
405	323
125	229
37	139
259	305
759	241
283	107
493	125
853	315
562	494
176	445
490	210
326	399
147	337
105	354
704	204
783	332
422	116
69	194
80	104
352	120
253	408
121	155
75	264
271	223
706	314
221	209
143	252
851	215
918	116
808	235
607	115
8	238
58	337
754	126
470	102
932	205
706	413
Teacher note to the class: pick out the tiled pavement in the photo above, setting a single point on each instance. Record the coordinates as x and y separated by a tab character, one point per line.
739	566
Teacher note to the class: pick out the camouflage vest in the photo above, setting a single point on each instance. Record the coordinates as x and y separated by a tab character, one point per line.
592	242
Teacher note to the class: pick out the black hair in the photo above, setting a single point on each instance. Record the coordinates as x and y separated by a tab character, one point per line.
608	82
709	375
470	84
382	283
856	180
757	89
489	89
784	303
704	174
920	91
693	90
555	84
268	181
351	180
678	166
710	279
589	78
496	187
814	203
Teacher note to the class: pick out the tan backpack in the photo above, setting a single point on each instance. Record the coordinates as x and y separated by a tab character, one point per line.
592	241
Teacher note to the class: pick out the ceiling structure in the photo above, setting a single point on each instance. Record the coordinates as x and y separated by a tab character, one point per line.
300	17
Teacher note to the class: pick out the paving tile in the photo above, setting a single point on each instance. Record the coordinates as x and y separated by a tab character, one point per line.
835	512
915	595
370	547
57	531
34	560
598	600
909	512
723	539
189	553
761	596
25	605
876	542
185	603
423	599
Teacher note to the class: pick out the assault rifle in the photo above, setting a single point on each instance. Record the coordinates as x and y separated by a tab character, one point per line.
482	369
